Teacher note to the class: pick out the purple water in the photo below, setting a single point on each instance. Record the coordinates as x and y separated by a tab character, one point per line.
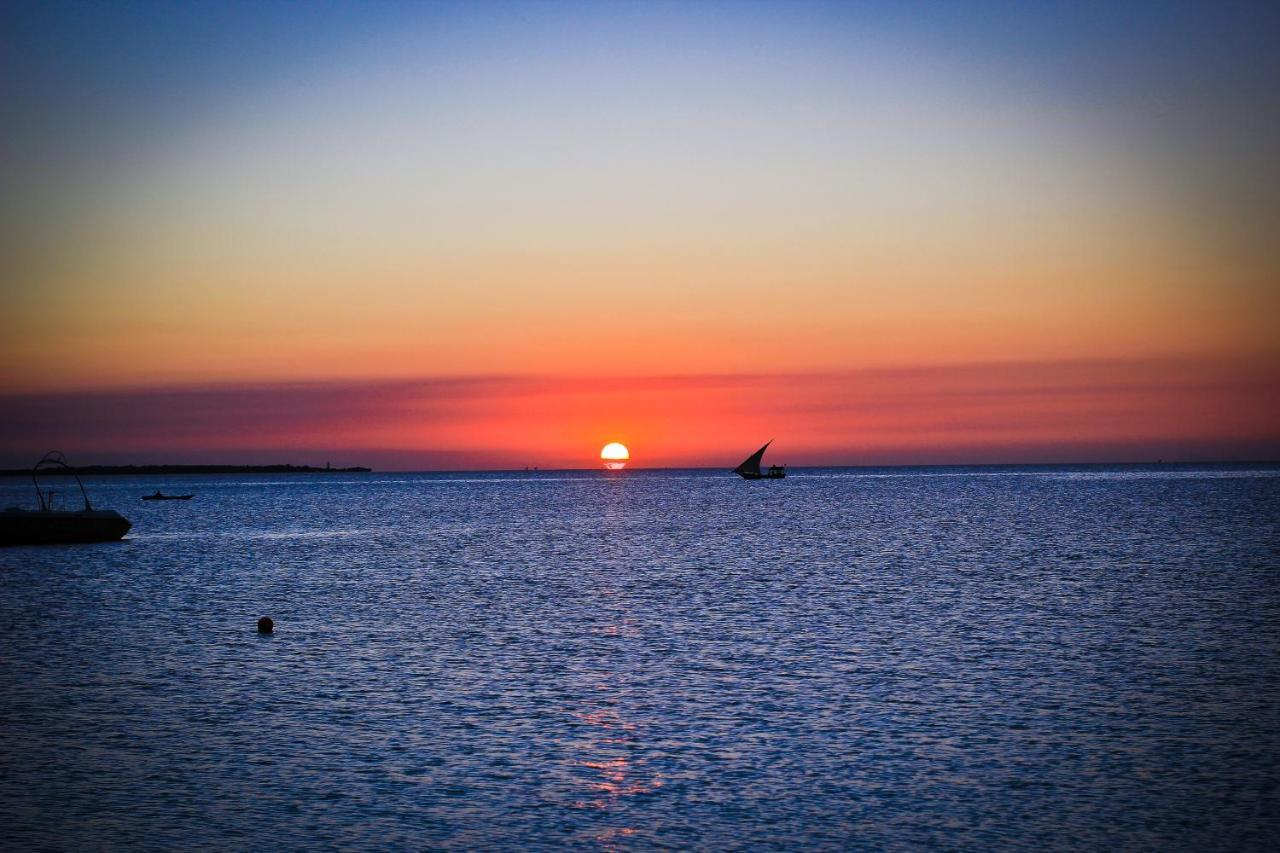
850	658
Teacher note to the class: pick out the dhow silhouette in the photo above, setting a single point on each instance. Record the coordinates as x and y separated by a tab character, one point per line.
750	467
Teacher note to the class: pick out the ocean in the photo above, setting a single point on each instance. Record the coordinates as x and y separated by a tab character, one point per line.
901	658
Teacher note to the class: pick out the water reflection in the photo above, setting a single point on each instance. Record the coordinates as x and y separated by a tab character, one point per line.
609	756
643	663
608	769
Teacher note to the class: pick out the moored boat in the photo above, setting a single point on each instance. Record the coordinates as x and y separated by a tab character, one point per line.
49	526
159	496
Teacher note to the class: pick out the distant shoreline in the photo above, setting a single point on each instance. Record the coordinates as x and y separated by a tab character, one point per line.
99	470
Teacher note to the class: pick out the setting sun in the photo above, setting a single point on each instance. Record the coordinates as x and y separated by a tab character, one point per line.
615	456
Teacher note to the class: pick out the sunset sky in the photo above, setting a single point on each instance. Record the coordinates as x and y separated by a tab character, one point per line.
491	235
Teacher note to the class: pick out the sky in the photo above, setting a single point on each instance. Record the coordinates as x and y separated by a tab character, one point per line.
502	234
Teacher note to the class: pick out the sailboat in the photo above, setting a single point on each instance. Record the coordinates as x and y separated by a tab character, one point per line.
750	467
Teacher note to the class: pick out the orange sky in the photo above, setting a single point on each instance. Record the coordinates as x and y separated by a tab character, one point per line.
1050	411
606	208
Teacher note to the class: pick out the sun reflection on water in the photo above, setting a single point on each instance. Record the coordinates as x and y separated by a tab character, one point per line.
608	772
609	755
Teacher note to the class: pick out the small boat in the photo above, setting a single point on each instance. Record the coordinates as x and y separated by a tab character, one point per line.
750	467
159	496
49	526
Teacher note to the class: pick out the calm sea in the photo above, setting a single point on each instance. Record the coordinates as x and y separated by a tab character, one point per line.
966	658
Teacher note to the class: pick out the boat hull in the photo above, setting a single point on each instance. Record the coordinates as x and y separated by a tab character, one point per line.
54	527
167	497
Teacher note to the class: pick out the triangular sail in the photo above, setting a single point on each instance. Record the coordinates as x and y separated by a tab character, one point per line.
751	465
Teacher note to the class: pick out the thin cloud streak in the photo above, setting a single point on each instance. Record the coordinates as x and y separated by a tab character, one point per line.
1048	411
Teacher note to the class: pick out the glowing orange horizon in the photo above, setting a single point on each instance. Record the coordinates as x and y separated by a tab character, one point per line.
1113	410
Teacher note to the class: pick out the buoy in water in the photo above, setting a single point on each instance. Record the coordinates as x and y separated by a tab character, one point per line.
265	625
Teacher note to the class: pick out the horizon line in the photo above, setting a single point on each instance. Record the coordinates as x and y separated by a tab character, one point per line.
20	472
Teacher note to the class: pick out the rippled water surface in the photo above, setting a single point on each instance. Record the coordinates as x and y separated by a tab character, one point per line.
901	658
